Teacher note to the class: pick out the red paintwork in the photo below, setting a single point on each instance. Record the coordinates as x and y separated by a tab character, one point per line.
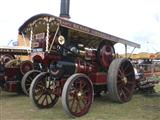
84	67
11	86
48	58
11	77
11	73
44	57
99	78
106	55
90	54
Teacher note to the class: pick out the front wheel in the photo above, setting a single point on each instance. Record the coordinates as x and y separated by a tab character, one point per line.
77	95
43	91
27	80
121	80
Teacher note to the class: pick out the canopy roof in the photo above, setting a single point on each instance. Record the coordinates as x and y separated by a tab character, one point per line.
16	50
93	36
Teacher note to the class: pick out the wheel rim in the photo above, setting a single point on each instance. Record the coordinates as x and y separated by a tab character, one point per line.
121	80
125	81
78	96
27	80
42	91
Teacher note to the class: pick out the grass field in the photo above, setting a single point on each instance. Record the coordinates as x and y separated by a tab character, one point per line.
141	107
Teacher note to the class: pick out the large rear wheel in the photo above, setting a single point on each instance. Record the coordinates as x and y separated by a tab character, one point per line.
43	91
77	95
121	80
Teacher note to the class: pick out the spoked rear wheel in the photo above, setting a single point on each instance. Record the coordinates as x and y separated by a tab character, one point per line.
121	80
27	80
42	91
77	95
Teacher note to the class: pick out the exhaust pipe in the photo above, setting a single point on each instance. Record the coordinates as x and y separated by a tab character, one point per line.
64	10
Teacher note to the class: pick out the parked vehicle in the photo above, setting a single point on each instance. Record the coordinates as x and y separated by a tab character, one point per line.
12	68
74	62
148	74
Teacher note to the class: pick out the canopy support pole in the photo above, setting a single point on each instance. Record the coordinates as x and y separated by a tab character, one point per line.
126	50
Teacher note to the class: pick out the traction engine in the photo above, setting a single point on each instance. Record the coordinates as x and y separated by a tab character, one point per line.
74	62
12	69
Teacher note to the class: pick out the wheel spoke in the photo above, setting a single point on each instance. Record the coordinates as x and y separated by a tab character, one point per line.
85	91
50	97
37	91
40	86
123	95
120	72
28	89
73	101
43	100
84	85
86	98
47	99
49	81
29	80
40	96
28	85
78	103
76	110
83	101
127	90
80	85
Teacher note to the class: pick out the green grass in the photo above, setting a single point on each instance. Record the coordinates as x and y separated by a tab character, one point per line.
141	107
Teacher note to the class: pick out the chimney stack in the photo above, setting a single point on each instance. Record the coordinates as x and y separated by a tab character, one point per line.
64	10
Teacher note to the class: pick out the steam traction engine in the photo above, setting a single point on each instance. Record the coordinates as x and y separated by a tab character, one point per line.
74	62
12	68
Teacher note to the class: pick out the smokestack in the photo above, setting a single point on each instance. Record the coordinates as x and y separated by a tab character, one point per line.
64	10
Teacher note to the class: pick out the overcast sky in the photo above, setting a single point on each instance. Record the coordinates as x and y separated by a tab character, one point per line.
134	20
